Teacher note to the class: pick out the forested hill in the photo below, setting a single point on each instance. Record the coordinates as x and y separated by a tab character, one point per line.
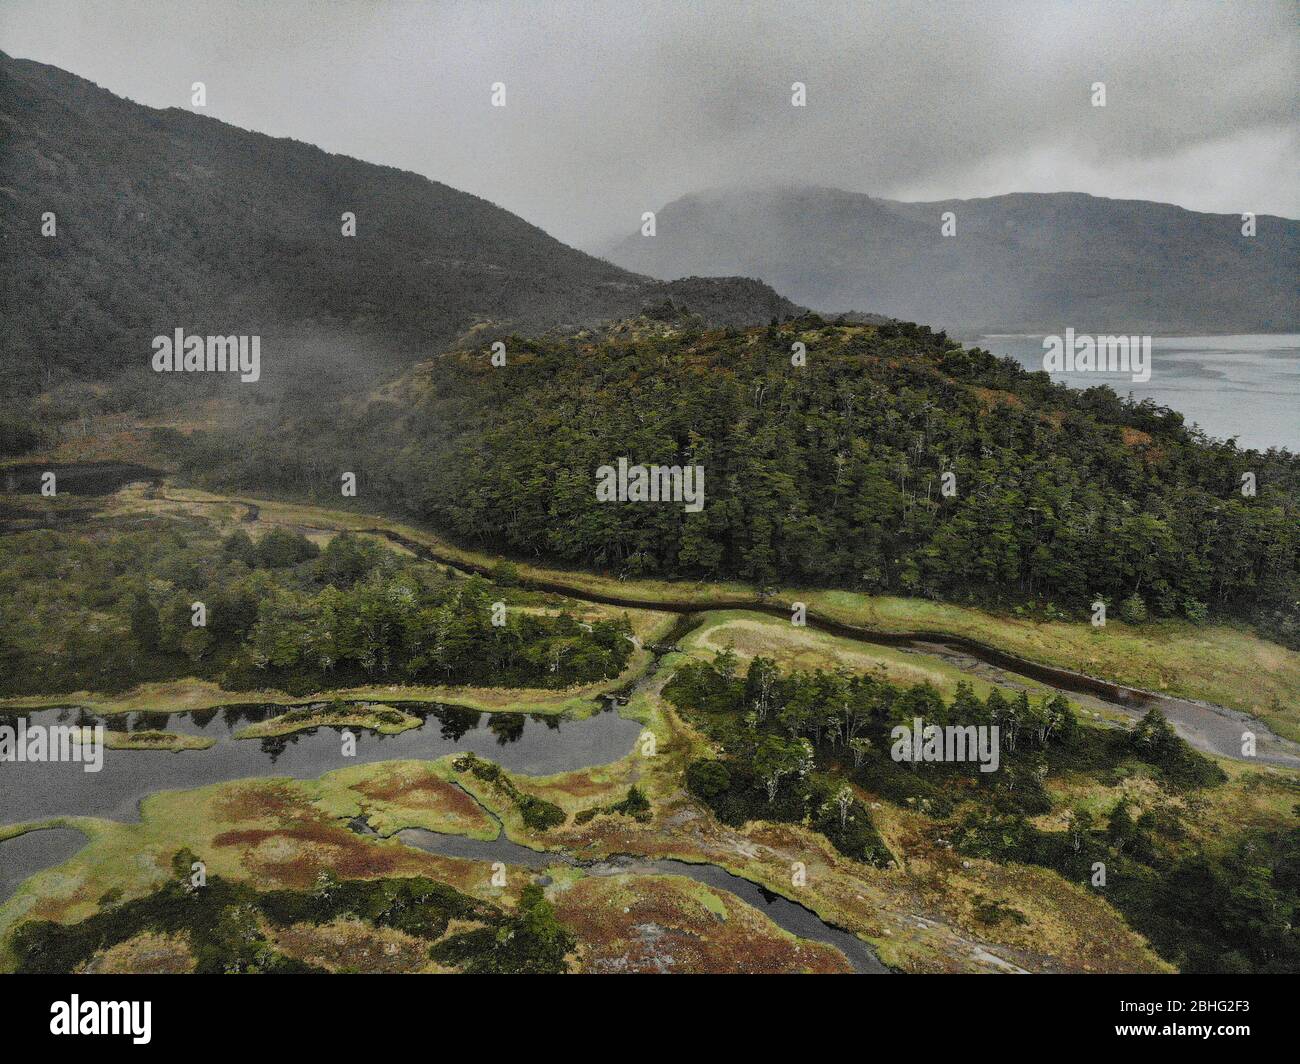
1027	262
167	218
830	473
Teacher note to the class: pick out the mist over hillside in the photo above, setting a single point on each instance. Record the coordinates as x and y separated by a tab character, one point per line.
169	219
1031	262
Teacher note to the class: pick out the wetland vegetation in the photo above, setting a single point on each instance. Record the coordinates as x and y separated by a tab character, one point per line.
387	680
790	735
228	927
790	742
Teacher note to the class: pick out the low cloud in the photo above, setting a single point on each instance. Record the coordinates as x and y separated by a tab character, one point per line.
613	109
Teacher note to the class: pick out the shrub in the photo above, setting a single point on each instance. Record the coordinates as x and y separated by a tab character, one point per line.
1133	610
707	779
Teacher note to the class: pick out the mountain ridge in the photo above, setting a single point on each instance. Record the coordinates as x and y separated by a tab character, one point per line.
1022	261
169	218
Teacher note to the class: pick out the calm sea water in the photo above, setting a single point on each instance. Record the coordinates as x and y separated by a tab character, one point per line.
1245	386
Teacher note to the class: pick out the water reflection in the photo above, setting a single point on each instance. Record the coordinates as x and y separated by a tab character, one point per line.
535	744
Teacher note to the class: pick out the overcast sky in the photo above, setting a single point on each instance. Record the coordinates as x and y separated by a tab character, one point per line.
616	108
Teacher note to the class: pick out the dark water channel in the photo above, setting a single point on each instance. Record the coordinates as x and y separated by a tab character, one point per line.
786	914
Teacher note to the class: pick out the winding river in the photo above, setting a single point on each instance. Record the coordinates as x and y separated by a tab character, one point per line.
536	745
783	912
1210	728
533	745
1213	729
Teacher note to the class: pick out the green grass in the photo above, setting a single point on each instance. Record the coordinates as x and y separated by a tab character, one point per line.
806	649
1226	665
156	740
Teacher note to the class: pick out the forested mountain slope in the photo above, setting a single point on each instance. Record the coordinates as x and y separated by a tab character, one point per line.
167	219
830	473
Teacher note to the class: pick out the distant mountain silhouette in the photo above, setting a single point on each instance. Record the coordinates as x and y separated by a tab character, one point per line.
1023	262
170	219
